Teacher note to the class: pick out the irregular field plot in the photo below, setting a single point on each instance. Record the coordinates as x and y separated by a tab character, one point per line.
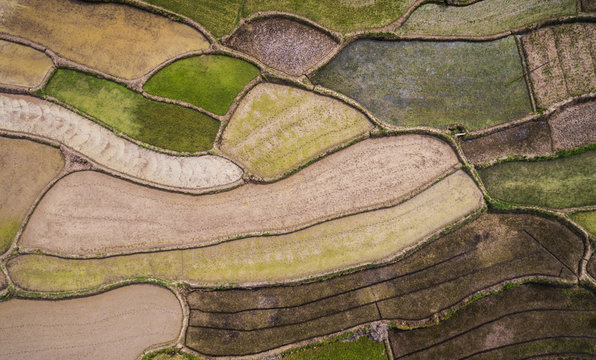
362	348
492	249
76	30
343	15
587	219
588	5
561	58
169	354
118	324
560	183
524	322
21	65
276	128
156	123
483	17
591	267
31	115
89	213
26	167
574	126
529	139
323	248
284	44
209	81
2	281
412	83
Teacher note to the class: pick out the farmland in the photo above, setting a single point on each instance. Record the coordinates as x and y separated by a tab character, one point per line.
22	65
587	220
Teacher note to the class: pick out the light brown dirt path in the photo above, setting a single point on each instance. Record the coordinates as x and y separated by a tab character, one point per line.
88	213
132	41
22	66
38	117
118	324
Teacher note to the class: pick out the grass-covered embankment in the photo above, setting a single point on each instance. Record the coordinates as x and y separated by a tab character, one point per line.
166	126
209	81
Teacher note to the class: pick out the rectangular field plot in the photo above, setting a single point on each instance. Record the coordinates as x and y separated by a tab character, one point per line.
411	83
22	66
525	322
492	249
362	348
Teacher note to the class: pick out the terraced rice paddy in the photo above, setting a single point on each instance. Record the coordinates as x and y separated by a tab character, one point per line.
160	124
411	83
277	128
324	248
493	249
561	61
586	219
362	348
26	168
33	116
22	66
58	25
560	183
574	126
85	214
118	324
210	81
525	322
483	17
282	43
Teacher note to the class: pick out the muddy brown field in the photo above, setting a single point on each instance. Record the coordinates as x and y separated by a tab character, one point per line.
119	324
21	65
574	126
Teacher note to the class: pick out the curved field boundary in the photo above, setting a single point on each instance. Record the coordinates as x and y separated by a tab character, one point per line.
118	324
31	115
427	283
22	66
318	250
95	211
527	321
56	24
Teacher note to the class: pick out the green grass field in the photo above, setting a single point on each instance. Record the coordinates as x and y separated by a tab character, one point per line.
209	81
362	348
484	17
561	183
587	219
160	124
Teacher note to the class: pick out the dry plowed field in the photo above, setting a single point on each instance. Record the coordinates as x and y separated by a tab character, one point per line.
76	30
89	212
574	126
38	117
492	249
22	66
321	249
26	168
524	322
119	324
282	43
561	61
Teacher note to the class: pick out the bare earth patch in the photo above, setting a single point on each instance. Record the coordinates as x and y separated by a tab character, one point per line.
283	44
21	65
119	324
276	128
132	41
88	212
574	126
321	249
561	63
529	139
26	167
31	115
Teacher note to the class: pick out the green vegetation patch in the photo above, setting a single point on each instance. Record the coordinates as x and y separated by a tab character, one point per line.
587	219
492	249
160	124
362	348
560	183
411	83
524	322
343	15
169	354
484	17
209	81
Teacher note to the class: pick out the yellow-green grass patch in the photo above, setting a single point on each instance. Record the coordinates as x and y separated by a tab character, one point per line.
169	354
276	128
336	349
22	65
117	39
483	17
209	81
587	219
561	183
324	248
164	125
26	167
